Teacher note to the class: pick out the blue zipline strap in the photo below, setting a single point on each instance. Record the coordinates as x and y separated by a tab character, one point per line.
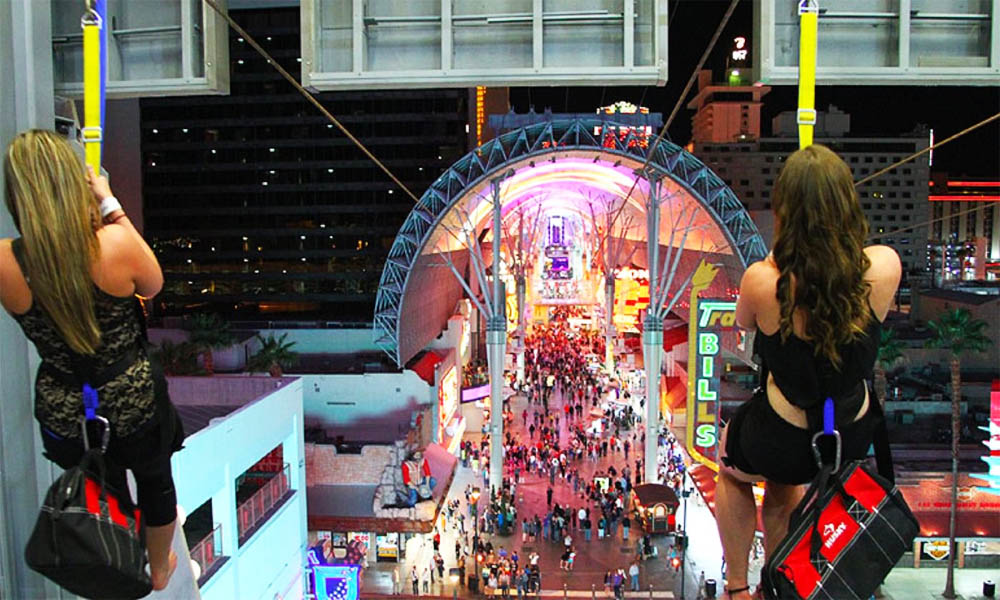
90	402
828	422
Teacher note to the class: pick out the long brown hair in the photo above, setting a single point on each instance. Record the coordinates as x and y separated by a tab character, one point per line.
819	241
55	211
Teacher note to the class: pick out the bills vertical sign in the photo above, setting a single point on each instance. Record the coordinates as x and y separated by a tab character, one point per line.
709	320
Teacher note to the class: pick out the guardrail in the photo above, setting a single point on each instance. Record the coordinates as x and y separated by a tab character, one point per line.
209	550
253	510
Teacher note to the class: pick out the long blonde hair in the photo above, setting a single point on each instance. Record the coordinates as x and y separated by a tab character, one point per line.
56	213
819	239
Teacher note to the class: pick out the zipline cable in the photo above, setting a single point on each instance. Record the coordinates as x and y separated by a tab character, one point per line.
928	149
875	236
680	101
312	99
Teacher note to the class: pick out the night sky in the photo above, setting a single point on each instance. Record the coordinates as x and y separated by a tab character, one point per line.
875	110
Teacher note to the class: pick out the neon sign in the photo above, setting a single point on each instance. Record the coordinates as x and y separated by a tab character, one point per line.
708	319
740	50
335	582
447	400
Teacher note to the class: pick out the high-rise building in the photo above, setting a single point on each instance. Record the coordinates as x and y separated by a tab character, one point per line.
750	164
726	113
966	215
256	205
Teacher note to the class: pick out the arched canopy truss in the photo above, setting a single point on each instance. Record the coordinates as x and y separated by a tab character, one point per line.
569	166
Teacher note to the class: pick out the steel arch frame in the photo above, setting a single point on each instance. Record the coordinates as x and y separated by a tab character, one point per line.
669	160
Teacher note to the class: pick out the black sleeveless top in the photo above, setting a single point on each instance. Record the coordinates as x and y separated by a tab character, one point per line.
807	379
126	400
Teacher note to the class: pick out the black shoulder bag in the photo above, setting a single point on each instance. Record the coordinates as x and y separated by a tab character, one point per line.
849	530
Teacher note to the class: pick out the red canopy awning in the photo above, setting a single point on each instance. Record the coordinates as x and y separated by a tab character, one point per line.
424	366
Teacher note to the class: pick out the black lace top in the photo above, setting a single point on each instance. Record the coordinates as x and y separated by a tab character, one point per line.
126	400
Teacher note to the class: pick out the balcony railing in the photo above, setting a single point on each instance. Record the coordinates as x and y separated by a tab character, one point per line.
256	508
207	552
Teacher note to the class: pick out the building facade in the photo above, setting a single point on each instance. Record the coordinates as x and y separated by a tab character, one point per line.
241	479
750	163
255	204
965	236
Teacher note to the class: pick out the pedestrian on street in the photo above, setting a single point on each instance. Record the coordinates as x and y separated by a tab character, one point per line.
625	526
633	573
548	497
415	578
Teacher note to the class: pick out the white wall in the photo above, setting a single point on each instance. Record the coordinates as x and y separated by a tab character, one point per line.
207	468
363	402
327	341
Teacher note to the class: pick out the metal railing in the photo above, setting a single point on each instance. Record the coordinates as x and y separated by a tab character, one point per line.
252	511
208	550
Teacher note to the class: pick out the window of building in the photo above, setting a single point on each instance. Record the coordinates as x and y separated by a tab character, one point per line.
882	159
866	205
749	194
877	218
769	159
908	195
854	160
767	205
909	182
768	182
868	159
744	182
766	171
893	195
908	206
766	194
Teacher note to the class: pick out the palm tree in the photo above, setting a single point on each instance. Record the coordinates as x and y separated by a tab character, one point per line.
177	359
956	331
208	332
274	355
889	351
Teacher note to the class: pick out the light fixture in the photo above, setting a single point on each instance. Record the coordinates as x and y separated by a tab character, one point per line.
156	130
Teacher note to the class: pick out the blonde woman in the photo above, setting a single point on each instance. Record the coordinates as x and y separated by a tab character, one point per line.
817	303
69	282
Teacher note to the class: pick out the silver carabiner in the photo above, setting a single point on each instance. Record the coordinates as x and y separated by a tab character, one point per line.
819	456
105	435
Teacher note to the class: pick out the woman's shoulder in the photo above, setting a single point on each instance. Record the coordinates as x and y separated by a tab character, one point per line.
884	275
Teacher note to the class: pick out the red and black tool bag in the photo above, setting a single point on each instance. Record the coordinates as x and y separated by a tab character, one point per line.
844	537
89	538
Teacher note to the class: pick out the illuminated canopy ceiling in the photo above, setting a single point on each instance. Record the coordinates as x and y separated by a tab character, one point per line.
564	166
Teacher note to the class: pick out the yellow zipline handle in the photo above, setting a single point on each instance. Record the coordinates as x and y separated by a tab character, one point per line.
92	131
808	34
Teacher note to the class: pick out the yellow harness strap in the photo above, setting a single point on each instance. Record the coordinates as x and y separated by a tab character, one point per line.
92	131
808	26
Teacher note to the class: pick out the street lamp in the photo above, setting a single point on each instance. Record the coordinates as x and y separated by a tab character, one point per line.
474	497
685	492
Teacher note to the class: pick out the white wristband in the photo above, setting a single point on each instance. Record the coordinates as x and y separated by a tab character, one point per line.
109	205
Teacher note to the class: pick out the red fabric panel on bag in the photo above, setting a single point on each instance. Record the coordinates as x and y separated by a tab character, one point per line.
799	570
92	493
865	489
836	528
115	512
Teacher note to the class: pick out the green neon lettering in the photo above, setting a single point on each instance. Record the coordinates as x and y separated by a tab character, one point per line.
707	366
708	343
705	435
705	393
